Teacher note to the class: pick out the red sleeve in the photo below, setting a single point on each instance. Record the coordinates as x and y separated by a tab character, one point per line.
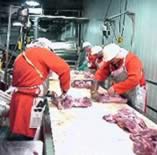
134	69
102	73
60	67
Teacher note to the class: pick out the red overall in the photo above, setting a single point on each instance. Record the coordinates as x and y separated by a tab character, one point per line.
94	60
25	76
129	79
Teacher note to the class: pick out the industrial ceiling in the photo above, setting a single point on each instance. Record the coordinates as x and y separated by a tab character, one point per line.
46	4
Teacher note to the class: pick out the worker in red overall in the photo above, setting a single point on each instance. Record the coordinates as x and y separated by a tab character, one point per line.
86	47
30	73
126	71
93	57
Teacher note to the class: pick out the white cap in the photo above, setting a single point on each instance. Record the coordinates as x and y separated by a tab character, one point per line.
96	50
41	42
86	44
110	51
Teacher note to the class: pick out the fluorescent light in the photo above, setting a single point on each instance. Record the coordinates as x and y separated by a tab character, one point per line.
32	3
17	24
37	11
61	45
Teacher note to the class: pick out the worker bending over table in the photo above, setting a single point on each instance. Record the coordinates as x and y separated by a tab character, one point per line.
30	73
93	57
126	71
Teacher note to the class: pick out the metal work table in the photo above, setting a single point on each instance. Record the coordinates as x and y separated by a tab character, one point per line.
79	131
82	131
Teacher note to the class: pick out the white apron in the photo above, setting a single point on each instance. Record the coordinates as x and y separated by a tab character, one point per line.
136	96
38	108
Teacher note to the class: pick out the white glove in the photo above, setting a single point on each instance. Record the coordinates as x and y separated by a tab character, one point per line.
63	95
111	91
10	90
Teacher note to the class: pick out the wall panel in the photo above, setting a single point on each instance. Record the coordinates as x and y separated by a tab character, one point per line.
145	39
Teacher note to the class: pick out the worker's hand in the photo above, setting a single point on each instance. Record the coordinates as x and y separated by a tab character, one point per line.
62	96
60	99
10	90
52	94
89	64
94	95
102	90
111	91
56	100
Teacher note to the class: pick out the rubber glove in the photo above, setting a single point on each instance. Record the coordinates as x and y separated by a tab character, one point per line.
111	91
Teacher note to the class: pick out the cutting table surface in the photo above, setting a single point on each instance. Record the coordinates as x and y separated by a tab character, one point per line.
82	131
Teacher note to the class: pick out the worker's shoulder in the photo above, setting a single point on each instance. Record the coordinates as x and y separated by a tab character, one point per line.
132	57
38	51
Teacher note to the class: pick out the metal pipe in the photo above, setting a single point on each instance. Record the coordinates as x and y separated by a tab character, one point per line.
11	11
36	27
58	17
9	28
119	14
7	46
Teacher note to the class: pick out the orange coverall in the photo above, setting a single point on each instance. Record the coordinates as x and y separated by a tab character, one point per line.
24	75
94	60
133	66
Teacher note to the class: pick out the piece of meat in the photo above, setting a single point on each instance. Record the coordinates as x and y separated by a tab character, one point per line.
109	118
86	74
144	139
82	102
127	120
106	98
82	84
145	142
69	102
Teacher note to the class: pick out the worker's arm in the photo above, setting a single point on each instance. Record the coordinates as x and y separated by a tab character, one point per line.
61	68
134	70
101	74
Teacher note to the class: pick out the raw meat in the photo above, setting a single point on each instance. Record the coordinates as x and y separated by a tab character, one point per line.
127	120
144	138
105	98
85	74
145	142
69	101
88	75
82	84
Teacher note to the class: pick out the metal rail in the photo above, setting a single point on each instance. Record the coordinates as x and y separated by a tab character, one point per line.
47	134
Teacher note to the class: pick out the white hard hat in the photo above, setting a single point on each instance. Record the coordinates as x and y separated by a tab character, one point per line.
96	50
110	51
86	44
41	42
